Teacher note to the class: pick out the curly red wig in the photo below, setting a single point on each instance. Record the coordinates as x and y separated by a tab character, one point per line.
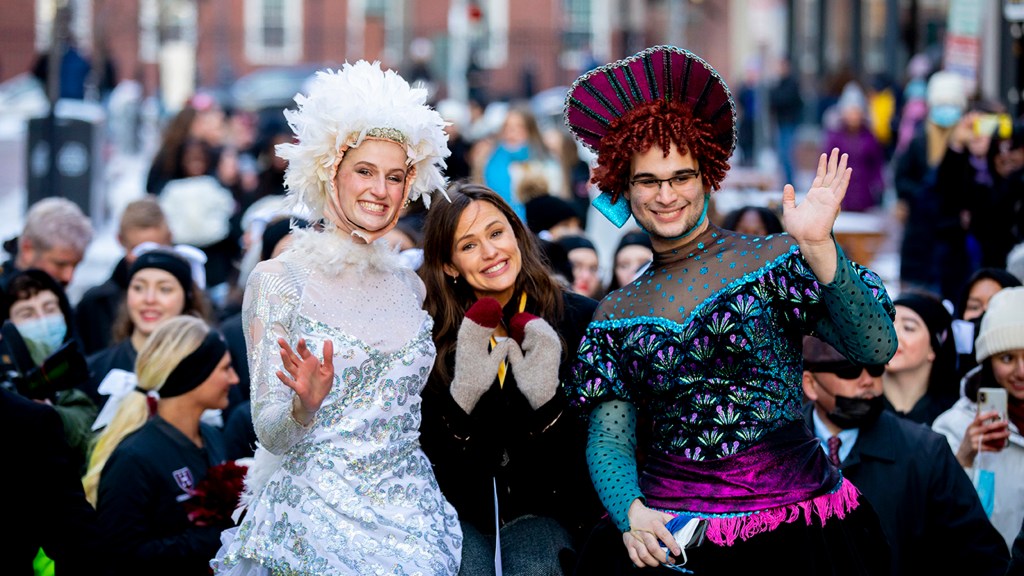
661	123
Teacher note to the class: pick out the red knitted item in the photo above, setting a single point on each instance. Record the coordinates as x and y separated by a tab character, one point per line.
486	312
517	326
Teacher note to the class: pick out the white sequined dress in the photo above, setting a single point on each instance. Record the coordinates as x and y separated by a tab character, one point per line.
352	493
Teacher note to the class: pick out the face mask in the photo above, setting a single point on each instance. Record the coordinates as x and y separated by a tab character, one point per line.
945	115
43	336
856	412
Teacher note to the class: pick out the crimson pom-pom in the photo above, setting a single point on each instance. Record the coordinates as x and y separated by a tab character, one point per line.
486	312
517	326
215	498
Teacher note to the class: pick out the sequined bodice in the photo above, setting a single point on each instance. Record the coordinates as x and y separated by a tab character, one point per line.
353	492
372	415
707	342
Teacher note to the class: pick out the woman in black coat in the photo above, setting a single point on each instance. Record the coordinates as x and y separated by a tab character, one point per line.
496	425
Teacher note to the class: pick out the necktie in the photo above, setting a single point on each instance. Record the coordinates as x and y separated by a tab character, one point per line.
833	449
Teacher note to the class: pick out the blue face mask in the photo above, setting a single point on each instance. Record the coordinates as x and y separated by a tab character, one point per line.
946	115
43	336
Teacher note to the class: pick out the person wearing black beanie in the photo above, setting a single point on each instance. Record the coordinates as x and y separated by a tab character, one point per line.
148	472
160	286
586	270
552	215
633	253
920	380
277	231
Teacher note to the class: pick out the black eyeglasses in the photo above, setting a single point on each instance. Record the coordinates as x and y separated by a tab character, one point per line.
845	369
680	181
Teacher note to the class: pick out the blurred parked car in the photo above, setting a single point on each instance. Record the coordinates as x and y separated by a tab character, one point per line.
271	87
549	105
268	91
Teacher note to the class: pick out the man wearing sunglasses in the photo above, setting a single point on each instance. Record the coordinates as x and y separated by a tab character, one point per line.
927	505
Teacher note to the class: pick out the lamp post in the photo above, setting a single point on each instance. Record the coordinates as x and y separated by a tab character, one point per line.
58	39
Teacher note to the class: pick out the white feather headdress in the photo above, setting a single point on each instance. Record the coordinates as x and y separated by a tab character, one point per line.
341	109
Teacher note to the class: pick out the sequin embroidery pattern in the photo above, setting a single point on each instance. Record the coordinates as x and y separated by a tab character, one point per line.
354	493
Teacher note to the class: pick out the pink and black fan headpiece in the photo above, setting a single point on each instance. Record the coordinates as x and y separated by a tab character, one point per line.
609	92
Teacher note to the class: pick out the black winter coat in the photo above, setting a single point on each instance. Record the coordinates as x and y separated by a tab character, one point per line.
98	308
927	505
537	458
121	355
140	501
44	505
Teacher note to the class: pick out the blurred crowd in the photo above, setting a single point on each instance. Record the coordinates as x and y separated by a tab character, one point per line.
948	166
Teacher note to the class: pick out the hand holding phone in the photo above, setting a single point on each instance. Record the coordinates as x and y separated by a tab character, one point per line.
993	401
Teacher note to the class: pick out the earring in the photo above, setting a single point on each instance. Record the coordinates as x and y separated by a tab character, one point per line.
455	279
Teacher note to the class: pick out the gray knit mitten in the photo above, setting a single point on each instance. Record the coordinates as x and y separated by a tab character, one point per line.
536	367
475	366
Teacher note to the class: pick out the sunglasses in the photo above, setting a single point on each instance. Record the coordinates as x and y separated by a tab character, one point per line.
845	369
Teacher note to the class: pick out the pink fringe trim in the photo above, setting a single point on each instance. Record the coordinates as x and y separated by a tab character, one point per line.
725	531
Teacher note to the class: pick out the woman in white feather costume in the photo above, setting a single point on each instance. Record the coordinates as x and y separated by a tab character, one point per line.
340	484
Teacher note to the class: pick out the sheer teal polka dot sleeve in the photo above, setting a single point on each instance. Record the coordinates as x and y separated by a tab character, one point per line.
860	312
611	456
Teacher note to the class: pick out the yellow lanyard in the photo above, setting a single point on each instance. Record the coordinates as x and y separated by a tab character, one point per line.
502	368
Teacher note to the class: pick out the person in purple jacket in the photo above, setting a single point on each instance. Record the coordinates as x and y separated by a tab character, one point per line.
851	133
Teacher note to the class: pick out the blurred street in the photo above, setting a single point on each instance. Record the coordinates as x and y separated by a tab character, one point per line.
124	179
478	62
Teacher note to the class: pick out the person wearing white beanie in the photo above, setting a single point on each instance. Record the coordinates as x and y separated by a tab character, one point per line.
1002	326
947	98
986	442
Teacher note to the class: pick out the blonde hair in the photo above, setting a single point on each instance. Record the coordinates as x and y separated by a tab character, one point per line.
936	143
165	348
532	185
142	214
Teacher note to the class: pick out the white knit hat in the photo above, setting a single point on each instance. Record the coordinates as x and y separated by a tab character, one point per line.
852	97
1002	326
947	88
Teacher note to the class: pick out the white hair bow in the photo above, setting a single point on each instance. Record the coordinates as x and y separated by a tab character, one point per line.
194	256
117	384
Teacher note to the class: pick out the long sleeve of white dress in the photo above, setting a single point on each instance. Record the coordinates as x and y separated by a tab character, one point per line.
268	312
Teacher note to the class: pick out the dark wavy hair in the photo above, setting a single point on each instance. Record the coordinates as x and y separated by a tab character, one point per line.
26	284
769	219
997	275
446	301
658	123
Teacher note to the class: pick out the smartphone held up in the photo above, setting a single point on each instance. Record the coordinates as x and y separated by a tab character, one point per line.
995	125
993	400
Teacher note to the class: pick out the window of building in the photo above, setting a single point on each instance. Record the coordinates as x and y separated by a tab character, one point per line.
491	38
273	31
376	8
586	34
79	25
165	21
